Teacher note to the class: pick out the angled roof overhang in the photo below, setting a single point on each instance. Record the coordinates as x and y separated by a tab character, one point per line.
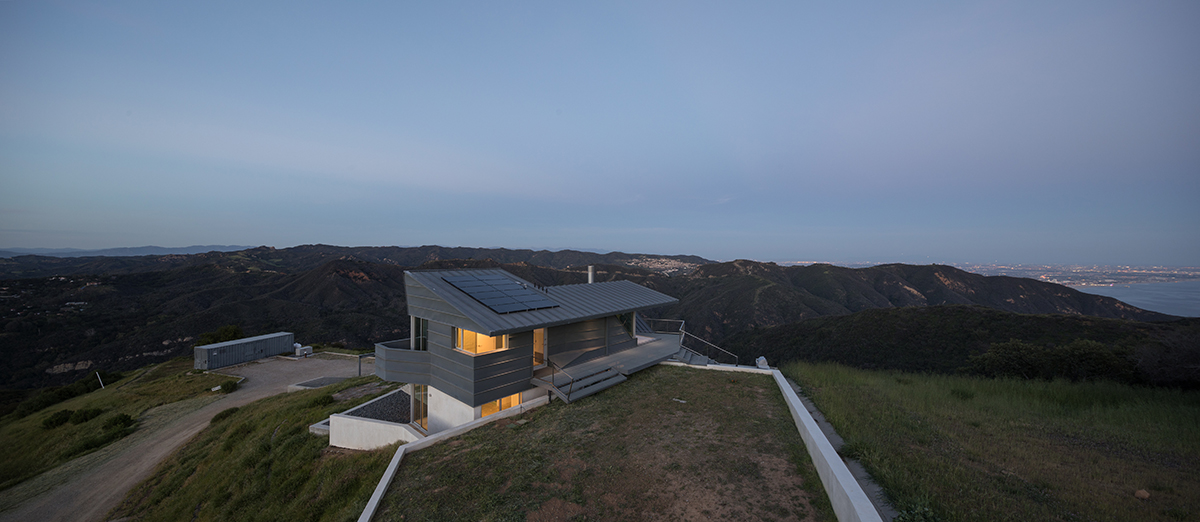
571	303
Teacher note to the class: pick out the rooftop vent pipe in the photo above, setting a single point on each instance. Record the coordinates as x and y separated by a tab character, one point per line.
591	274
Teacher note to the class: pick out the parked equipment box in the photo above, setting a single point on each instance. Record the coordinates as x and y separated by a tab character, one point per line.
219	355
303	351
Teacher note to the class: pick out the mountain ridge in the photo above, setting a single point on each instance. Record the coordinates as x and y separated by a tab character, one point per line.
308	257
60	327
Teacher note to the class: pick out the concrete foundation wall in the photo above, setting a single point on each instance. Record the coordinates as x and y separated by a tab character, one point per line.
446	412
346	431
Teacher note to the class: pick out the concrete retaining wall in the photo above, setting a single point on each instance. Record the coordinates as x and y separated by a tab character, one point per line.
348	431
850	502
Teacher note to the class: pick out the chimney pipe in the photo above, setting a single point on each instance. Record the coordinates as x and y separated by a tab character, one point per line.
591	274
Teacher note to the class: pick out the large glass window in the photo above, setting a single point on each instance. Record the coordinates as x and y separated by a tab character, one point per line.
627	323
421	334
499	405
477	343
420	413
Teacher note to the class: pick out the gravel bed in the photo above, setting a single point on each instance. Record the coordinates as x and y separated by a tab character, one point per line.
392	408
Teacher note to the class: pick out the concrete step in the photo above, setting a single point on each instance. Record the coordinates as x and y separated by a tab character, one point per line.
608	381
570	391
693	358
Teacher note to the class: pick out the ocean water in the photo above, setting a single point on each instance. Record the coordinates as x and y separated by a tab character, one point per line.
1182	298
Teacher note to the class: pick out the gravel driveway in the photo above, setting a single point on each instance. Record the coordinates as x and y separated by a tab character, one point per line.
90	493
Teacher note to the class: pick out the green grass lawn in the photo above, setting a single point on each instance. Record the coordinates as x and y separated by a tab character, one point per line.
962	448
259	462
28	447
668	444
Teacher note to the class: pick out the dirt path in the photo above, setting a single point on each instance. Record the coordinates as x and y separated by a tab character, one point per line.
92	492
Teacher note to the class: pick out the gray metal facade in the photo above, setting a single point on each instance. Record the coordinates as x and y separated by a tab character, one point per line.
469	378
585	324
219	355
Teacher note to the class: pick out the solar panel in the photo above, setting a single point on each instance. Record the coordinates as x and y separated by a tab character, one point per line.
500	293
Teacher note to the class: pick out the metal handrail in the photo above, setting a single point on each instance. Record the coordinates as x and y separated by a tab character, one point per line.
736	359
554	367
684	334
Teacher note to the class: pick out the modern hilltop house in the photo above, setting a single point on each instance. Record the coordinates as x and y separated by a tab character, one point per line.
485	340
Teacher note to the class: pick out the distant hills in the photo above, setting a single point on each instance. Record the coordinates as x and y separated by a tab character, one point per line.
721	300
308	257
64	317
116	252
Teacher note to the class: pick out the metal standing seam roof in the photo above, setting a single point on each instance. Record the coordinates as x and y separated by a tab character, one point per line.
575	302
243	340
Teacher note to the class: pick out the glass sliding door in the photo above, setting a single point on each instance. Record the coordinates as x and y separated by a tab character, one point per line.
539	347
420	410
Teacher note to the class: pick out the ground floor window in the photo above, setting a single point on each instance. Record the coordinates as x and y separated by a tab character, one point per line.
499	405
420	410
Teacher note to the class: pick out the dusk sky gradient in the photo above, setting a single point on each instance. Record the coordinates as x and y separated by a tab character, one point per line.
1012	132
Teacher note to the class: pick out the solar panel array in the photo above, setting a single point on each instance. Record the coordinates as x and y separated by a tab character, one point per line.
500	293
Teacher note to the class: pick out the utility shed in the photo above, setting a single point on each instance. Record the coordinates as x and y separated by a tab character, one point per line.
228	353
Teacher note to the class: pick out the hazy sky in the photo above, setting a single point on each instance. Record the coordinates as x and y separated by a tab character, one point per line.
1037	132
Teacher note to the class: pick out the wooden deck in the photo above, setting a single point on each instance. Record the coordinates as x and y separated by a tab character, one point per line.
651	350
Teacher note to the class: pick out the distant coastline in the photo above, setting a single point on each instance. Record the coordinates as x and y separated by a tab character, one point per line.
1180	298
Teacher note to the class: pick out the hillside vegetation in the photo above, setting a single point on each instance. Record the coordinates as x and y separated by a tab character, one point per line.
963	448
943	339
59	328
307	257
57	432
259	462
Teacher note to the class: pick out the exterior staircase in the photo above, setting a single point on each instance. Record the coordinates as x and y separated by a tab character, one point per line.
572	388
685	355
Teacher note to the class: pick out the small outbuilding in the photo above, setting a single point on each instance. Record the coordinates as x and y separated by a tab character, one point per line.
229	353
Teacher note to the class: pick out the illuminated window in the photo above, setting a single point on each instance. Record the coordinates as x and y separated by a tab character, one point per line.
499	405
477	343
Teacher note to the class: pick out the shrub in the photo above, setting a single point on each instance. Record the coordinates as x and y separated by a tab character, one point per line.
52	396
229	332
321	402
82	416
229	386
97	441
224	414
57	419
121	421
1079	361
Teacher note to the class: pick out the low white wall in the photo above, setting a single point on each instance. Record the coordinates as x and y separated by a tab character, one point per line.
850	502
720	367
347	431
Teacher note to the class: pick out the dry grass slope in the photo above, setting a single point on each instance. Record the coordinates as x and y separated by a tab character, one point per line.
962	448
669	444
